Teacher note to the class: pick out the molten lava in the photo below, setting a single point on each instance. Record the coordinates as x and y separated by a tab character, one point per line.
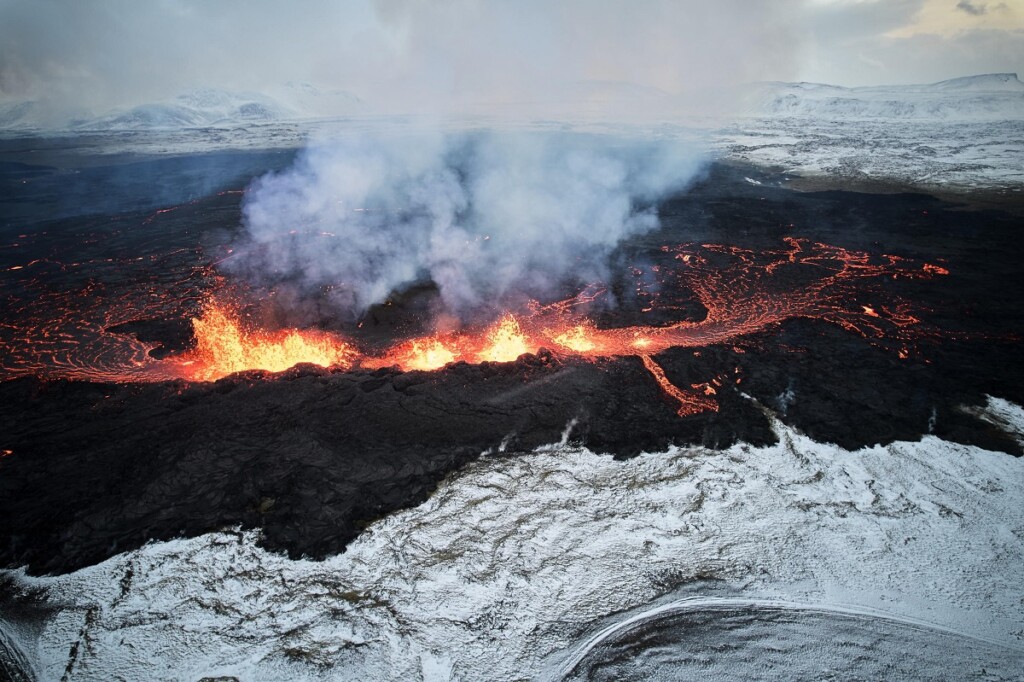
66	333
419	354
224	346
578	339
505	342
689	403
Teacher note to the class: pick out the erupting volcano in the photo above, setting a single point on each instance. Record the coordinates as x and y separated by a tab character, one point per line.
741	291
488	340
152	391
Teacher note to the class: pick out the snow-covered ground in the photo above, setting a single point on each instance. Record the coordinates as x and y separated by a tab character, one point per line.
963	134
940	156
521	567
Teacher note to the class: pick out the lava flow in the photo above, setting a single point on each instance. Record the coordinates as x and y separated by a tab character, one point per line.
742	291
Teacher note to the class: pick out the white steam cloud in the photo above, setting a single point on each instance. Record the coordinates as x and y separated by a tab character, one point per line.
489	218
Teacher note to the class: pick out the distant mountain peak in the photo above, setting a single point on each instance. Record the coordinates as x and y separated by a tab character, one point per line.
987	81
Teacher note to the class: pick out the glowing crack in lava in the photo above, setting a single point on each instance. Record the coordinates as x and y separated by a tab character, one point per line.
743	291
689	403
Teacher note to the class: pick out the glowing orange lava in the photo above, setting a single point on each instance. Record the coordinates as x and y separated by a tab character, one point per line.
689	403
578	339
505	342
419	354
225	346
66	333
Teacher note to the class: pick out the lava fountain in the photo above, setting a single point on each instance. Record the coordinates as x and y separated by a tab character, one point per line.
225	346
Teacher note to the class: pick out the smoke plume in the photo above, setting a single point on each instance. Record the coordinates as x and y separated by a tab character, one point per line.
489	218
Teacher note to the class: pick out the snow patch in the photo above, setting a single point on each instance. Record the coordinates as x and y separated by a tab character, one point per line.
516	561
1002	414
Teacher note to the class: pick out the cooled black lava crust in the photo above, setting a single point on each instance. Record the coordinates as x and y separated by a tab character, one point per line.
312	456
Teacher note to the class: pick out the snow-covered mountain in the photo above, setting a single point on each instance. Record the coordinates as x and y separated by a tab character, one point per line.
197	109
200	108
991	96
974	98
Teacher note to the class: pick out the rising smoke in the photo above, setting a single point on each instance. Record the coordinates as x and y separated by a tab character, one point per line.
490	218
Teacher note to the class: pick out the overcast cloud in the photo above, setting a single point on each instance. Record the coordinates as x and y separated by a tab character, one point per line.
445	55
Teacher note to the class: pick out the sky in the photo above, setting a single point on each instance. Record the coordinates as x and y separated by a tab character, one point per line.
883	42
424	54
